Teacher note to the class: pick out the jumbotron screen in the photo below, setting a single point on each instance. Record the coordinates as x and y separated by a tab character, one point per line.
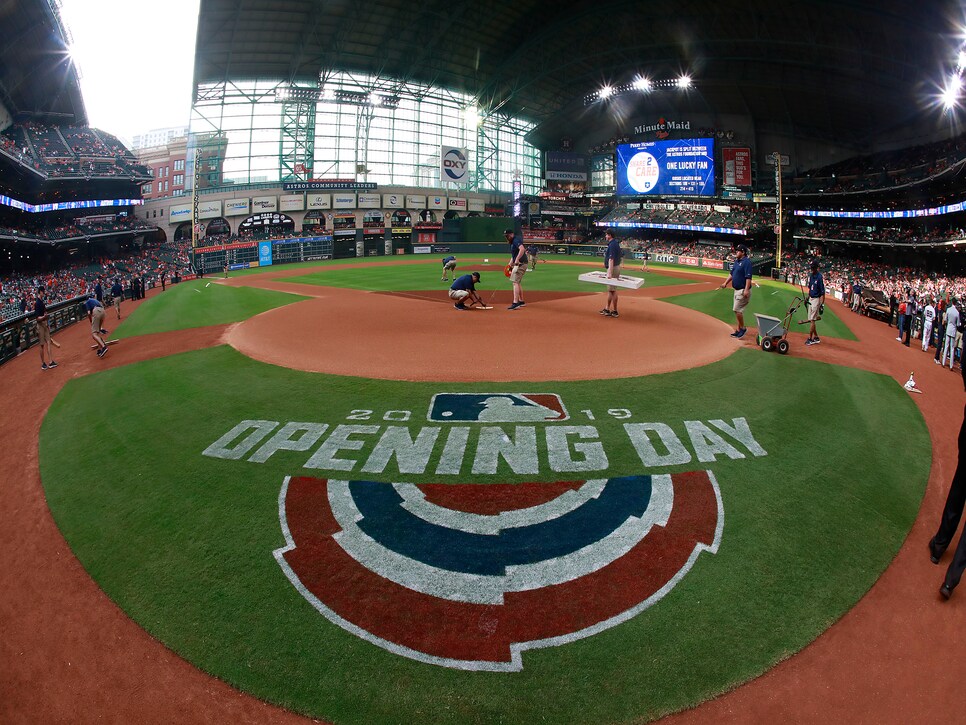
683	167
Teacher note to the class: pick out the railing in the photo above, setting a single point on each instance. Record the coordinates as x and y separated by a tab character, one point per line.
20	333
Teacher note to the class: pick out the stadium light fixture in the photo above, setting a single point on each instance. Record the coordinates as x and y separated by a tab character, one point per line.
638	85
471	116
950	97
961	61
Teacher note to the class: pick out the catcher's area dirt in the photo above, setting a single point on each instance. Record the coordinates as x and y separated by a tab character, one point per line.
68	654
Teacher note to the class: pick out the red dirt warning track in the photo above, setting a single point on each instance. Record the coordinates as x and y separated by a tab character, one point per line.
68	654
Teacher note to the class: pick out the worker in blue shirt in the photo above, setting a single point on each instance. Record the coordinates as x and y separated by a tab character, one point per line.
449	265
816	301
613	255
741	283
465	287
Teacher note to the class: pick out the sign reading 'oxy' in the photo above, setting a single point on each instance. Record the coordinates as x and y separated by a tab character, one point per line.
471	576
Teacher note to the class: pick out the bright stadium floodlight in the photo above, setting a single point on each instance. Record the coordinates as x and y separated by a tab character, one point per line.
950	96
949	99
374	100
684	82
328	94
605	92
642	84
961	61
471	116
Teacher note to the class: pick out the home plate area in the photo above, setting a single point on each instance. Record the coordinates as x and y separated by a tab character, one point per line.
470	576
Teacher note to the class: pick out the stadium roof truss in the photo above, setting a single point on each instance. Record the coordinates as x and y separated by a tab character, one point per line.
841	70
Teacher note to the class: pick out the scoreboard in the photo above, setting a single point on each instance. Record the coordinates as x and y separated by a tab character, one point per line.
683	167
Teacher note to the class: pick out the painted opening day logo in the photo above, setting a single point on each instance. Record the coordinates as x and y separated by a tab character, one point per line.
471	576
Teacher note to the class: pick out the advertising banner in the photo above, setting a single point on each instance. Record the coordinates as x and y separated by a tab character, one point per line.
369	201
179	213
563	166
436	202
737	166
343	201
458	204
264	254
415	202
318	201
392	201
681	167
209	209
476	205
237	207
453	165
264	203
291	202
335	185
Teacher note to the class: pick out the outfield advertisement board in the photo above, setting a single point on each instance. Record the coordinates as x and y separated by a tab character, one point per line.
264	203
237	207
264	254
318	201
702	262
291	202
737	166
683	167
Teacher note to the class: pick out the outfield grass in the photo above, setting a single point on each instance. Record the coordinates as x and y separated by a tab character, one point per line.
771	298
184	543
547	277
198	303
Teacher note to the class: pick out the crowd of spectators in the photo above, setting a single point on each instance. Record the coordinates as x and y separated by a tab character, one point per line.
692	248
905	234
70	151
882	170
17	291
77	229
749	218
219	239
842	273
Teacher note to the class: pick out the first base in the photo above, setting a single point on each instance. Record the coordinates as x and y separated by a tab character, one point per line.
624	281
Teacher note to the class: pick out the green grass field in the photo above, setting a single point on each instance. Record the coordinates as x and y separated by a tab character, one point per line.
771	298
183	543
197	303
547	277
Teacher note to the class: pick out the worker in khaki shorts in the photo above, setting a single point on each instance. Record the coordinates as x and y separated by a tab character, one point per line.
95	313
740	281
43	330
518	267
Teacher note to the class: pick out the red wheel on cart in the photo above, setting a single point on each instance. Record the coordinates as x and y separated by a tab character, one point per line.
783	347
767	344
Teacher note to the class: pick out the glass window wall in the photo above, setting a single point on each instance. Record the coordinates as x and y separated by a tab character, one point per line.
362	135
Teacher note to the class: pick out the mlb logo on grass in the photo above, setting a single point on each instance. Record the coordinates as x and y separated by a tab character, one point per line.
496	407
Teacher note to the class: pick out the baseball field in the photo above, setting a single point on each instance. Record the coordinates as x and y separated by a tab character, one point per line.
354	502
